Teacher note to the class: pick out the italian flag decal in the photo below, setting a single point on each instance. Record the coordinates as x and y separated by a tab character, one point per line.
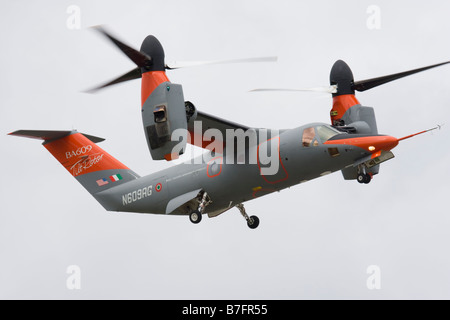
115	177
158	187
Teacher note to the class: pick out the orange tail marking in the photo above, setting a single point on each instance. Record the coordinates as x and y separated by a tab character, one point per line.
79	155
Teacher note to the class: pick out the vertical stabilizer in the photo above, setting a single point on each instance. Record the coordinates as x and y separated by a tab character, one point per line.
89	164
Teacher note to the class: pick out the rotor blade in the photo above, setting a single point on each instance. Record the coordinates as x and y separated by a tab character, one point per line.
133	74
330	89
187	64
139	58
375	82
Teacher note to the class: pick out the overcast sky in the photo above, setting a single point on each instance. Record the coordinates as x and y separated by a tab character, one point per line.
315	240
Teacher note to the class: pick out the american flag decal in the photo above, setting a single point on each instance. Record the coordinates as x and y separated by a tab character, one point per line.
102	182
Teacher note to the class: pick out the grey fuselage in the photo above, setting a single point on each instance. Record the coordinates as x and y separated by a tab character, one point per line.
169	191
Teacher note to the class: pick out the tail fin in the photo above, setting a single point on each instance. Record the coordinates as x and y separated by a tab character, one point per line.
93	167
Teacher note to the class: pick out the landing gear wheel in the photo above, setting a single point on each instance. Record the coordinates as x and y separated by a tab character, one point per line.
361	178
253	222
195	217
364	178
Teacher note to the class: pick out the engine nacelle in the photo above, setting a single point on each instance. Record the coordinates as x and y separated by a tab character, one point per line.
360	119
162	113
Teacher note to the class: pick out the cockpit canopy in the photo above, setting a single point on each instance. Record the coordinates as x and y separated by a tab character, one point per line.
314	135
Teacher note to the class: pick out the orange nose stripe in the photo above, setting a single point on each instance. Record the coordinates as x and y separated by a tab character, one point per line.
371	144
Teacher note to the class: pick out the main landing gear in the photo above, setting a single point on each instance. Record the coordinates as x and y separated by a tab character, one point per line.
196	215
204	200
253	221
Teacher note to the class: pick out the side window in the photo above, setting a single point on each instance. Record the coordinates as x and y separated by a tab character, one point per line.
308	138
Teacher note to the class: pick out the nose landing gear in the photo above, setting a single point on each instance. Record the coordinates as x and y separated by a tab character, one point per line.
363	176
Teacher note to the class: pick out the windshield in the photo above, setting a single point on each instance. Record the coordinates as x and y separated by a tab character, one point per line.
326	132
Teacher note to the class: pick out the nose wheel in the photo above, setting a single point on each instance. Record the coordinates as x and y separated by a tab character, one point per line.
363	176
252	221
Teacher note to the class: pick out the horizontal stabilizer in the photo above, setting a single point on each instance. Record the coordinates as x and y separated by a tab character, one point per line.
49	135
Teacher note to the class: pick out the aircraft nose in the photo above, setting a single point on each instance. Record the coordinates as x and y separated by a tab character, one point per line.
371	144
378	143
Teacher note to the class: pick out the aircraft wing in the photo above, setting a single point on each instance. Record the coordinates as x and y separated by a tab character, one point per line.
211	122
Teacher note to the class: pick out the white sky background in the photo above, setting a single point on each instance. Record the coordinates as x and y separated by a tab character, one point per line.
315	240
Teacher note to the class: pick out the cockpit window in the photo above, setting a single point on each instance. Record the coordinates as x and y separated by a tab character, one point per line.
308	137
325	132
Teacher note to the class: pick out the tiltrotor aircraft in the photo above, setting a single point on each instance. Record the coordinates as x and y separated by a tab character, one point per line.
241	163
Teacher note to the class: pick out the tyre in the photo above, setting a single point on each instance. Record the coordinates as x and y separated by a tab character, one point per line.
253	222
195	217
361	178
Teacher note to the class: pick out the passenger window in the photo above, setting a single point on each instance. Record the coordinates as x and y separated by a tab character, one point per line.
334	152
308	137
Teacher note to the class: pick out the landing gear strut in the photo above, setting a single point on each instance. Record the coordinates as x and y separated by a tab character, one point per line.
363	176
196	215
253	221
